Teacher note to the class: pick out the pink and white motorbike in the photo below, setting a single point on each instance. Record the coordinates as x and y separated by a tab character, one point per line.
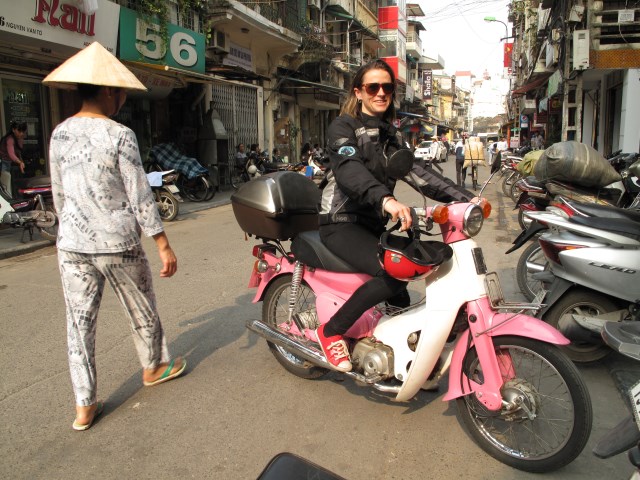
521	399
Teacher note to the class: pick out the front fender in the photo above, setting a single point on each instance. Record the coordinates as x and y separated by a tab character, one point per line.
517	325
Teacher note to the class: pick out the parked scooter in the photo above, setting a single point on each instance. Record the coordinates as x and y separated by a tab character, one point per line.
532	261
520	397
624	338
28	214
165	193
537	195
593	253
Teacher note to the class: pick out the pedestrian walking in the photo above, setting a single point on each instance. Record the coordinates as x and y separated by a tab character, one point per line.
104	202
461	171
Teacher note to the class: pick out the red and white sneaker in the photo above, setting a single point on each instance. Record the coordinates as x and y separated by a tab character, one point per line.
335	350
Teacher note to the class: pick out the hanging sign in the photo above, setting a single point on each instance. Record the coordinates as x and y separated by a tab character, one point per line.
524	121
427	79
141	41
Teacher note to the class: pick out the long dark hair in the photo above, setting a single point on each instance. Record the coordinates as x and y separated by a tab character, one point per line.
352	106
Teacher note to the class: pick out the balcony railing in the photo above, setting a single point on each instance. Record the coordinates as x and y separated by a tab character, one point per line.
284	13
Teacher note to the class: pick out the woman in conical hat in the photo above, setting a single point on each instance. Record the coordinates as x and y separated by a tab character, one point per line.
104	202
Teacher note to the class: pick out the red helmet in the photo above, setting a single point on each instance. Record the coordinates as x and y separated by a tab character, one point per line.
408	258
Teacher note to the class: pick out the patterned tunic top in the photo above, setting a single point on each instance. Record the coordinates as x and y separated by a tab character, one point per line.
100	189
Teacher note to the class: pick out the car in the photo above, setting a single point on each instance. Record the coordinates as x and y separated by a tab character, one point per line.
423	151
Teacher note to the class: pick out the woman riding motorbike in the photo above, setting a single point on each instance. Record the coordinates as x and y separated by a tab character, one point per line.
358	195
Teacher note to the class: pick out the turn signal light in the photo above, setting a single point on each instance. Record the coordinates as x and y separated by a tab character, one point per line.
486	207
440	214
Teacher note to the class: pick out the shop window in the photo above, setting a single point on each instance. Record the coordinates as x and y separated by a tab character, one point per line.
22	102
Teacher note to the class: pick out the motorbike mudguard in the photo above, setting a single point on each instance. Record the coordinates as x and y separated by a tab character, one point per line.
526	235
556	291
517	325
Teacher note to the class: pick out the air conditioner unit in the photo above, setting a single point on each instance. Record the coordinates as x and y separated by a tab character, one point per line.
314	3
543	18
219	41
580	49
527	105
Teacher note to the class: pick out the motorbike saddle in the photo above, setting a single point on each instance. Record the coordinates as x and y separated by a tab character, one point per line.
309	249
605	211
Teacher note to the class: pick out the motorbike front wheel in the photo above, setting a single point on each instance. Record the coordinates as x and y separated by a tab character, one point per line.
547	417
238	179
168	206
275	312
580	302
532	260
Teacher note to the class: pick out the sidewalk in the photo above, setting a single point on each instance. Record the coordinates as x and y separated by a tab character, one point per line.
14	243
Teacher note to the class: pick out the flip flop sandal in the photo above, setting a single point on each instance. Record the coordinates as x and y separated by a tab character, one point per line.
81	427
167	375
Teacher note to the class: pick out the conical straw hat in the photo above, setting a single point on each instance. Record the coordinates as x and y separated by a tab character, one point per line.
96	66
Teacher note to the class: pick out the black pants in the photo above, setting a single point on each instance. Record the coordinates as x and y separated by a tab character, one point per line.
359	247
461	172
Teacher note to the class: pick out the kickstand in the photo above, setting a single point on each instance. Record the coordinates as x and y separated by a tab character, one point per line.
27	228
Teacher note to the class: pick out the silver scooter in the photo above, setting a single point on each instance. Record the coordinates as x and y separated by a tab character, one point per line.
594	257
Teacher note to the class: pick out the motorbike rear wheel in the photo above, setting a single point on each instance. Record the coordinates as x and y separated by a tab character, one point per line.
581	302
195	189
275	311
168	206
532	260
51	232
552	420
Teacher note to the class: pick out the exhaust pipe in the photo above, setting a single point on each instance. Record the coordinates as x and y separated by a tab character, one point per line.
310	354
298	349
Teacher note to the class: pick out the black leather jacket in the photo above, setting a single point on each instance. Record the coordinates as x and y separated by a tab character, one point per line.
357	178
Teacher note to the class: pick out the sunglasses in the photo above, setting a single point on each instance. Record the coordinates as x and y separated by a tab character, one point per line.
374	88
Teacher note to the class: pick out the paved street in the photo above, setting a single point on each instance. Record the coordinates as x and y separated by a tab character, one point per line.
236	407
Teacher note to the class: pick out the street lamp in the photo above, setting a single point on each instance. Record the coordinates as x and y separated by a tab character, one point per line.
506	29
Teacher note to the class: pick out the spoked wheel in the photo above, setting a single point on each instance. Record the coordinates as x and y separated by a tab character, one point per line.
48	225
532	260
514	191
546	417
585	347
275	313
523	220
168	206
238	179
195	189
507	181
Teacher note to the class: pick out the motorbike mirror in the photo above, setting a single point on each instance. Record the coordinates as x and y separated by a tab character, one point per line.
400	163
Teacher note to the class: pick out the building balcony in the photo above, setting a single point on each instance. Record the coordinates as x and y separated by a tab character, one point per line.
414	45
275	27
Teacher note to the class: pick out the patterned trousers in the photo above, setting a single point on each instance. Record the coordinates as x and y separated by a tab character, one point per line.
83	277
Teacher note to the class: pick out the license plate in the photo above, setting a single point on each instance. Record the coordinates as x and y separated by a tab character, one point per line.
634	393
173	188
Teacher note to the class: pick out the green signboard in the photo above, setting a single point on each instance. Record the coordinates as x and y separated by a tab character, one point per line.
141	41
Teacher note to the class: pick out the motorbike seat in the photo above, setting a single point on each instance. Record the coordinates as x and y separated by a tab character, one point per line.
621	226
309	249
605	211
38	181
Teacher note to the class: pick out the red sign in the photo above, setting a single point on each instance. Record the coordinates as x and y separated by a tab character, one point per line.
508	48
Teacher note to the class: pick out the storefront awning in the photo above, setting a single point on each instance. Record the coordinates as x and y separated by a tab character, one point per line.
527	87
184	77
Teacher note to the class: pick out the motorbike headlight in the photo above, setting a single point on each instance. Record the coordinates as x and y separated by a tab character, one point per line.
473	220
